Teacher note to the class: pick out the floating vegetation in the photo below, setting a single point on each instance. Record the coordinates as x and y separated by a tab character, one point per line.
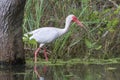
77	61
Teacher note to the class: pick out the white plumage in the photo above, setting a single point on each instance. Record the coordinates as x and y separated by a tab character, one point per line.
46	34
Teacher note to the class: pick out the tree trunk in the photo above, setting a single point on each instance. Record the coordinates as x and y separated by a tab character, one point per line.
11	44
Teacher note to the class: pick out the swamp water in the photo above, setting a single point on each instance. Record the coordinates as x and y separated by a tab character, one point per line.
61	72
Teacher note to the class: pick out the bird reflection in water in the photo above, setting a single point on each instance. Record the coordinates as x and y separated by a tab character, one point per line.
44	70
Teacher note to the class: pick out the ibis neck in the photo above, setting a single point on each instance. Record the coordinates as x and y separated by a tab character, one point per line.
67	25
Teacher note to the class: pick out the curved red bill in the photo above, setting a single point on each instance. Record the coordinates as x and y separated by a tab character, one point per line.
80	24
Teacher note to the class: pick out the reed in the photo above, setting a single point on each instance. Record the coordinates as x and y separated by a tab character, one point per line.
102	39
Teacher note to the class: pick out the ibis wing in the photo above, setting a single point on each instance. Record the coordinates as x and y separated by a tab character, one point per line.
45	35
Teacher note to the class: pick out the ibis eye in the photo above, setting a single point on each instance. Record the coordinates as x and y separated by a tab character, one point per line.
74	18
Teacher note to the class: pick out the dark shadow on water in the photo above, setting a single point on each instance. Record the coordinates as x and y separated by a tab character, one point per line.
61	72
8	72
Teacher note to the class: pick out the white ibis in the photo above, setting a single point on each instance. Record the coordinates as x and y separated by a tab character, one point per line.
48	34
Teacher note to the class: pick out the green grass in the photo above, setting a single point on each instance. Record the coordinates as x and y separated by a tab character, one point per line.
102	39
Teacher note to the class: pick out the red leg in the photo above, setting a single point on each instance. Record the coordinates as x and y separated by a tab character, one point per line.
45	54
35	54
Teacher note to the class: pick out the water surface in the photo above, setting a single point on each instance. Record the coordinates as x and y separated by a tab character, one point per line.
61	72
